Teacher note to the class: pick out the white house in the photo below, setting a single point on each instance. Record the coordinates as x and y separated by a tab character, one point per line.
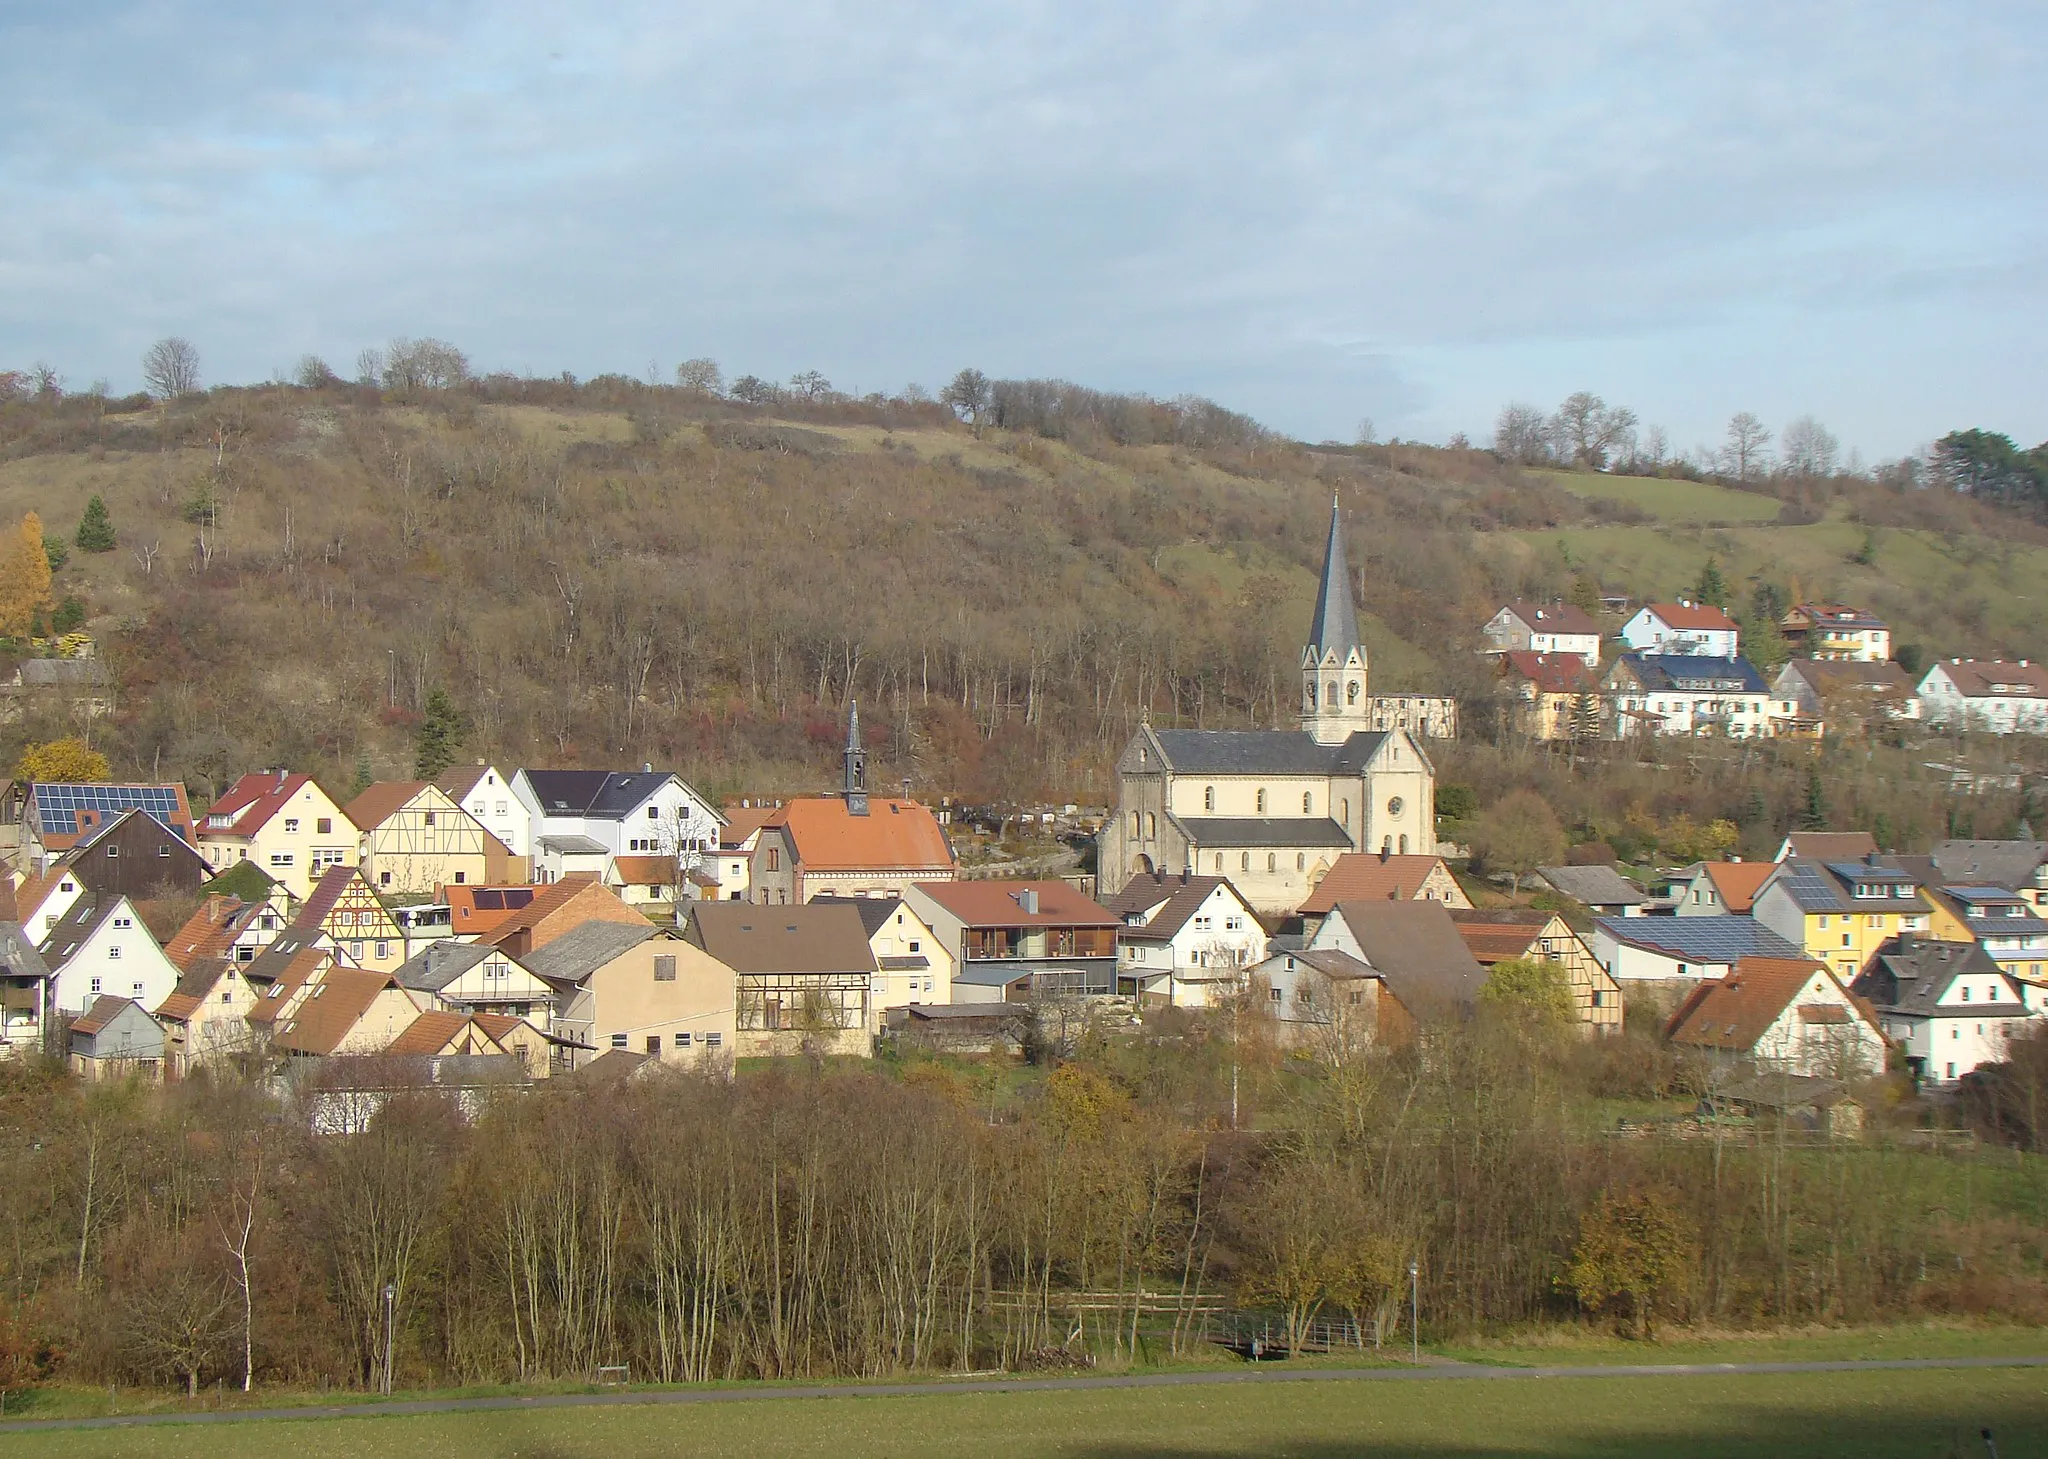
486	793
1948	1005
476	977
1547	628
1183	938
1672	949
1682	628
43	901
1786	1016
103	950
1681	694
645	812
1990	695
1834	631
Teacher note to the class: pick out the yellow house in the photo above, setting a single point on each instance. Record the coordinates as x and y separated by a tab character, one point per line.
343	907
1841	912
415	839
285	823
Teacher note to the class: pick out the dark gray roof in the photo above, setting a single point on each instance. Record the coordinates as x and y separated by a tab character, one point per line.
937	1012
1831	887
1910	975
1177	899
70	931
581	951
441	963
1700	939
269	965
1596	886
1000	972
1992	863
1334	628
875	912
1416	949
20	958
1692	674
910	962
1264	752
1219	831
599	794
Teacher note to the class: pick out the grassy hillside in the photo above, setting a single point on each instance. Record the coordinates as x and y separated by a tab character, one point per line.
614	573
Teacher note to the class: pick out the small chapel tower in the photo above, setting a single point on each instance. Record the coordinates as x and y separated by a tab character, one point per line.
856	764
1334	703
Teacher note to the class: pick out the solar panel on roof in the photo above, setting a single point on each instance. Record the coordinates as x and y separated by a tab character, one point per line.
490	901
57	806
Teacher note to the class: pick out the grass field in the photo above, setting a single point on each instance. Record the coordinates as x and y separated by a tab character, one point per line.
1868	1415
1670	501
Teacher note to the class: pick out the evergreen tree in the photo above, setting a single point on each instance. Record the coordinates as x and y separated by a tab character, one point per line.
1586	717
1713	588
1586	594
95	529
1815	816
440	738
364	779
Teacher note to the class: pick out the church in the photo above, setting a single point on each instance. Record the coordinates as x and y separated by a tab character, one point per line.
1273	809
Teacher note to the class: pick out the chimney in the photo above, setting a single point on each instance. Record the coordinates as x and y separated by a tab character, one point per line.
647	767
280	775
1184	876
1385	852
1028	900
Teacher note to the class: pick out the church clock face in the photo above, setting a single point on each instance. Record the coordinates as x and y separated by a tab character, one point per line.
1394	806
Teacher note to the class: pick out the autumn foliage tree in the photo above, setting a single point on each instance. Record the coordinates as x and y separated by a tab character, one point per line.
1632	1257
66	761
24	577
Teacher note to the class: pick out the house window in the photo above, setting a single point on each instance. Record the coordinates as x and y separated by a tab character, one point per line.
114	955
1274	993
654	813
163	850
291	823
915	944
124	921
95	985
280	858
618	1041
355	951
501	808
138	994
713	1040
383	949
113	851
1262	800
1308	802
324	826
682	1041
665	968
1208	797
774	858
1301	861
228	996
654	1046
1272	861
383	878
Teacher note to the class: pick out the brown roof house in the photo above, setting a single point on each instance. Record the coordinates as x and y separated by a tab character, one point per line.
913	968
1557	694
1013	939
1827	846
346	1011
803	975
1415	948
227	927
644	990
135	855
1498	935
554	909
1186	940
1329	1003
52	817
1560	629
1992	696
1785	1015
416	838
287	824
115	1037
343	905
206	1018
1719	888
1379	876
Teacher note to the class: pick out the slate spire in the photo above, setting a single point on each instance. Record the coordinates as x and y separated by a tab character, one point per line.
1334	629
856	764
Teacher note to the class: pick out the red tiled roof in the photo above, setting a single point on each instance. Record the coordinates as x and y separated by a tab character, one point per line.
1738	882
995	904
1732	1013
336	1005
1552	673
895	834
742	821
474	909
653	871
210	931
1695	616
381	801
250	803
1361	876
598	903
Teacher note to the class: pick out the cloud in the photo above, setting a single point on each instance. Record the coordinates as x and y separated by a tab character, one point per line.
1312	212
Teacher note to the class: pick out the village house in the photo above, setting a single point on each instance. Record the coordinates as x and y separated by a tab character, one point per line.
1839	912
290	827
345	1011
206	1017
116	1037
1416	950
1602	890
1849	697
1273	809
561	857
1359	876
1329	1002
439	1034
653	883
76	689
1557	697
24	991
474	911
1689	694
1012	939
1827	846
226	927
134	855
44	900
343	905
2005	924
50	817
1545	629
646	812
101	948
913	966
1498	935
1682	628
1682	950
553	910
486	793
737	840
475	977
1783	1015
1718	888
1989	696
1834	632
1949	1006
415	839
1184	940
2020	866
801	975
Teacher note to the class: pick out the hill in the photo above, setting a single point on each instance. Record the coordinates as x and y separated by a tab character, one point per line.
616	573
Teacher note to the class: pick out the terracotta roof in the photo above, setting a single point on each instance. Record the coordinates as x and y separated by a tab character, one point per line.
105	1009
1836	615
654	871
211	931
251	801
1997	678
1732	1013
474	910
500	1026
1554	617
331	1012
288	977
430	1033
1694	617
1363	876
895	834
1552	673
377	804
1830	845
583	886
459	780
817	937
34	891
742	821
1498	934
194	988
1736	882
995	904
327	892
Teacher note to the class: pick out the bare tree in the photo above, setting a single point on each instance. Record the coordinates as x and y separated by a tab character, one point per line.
1656	446
313	373
1747	451
45	381
370	367
423	364
171	368
1808	448
1588	430
701	377
811	384
1521	435
967	396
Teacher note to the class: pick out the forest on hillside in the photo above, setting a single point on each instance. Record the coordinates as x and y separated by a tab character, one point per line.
1007	578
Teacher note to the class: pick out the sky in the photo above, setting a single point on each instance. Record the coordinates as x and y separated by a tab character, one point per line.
1319	214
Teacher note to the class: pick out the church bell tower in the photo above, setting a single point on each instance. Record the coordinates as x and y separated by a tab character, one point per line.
1334	703
856	764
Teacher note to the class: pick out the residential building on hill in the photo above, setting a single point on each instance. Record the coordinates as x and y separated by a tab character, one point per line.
1498	935
1849	696
347	1011
804	974
1689	694
343	905
2005	924
913	966
1949	1006
1184	940
1785	1015
1833	631
1719	888
206	1017
554	910
100	948
1274	809
1558	697
1990	696
1839	912
1601	889
25	994
625	812
1331	1002
415	838
475	977
1545	629
116	1037
1682	628
1416	950
1682	949
1013	939
2021	866
1827	846
50	817
290	827
486	793
135	855
1382	876
644	990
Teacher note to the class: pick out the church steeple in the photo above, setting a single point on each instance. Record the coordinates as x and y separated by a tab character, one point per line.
856	764
1334	705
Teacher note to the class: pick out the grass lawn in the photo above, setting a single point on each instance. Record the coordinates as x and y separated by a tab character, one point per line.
1868	1415
1670	501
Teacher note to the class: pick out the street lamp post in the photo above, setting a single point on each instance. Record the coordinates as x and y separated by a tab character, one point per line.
390	1297
1414	1311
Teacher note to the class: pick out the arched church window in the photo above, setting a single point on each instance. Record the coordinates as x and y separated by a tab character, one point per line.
1404	845
1351	692
1330	694
1301	861
1344	811
1387	845
1308	803
1151	825
1308	695
1137	824
1262	800
1219	863
1272	861
1208	797
1244	861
